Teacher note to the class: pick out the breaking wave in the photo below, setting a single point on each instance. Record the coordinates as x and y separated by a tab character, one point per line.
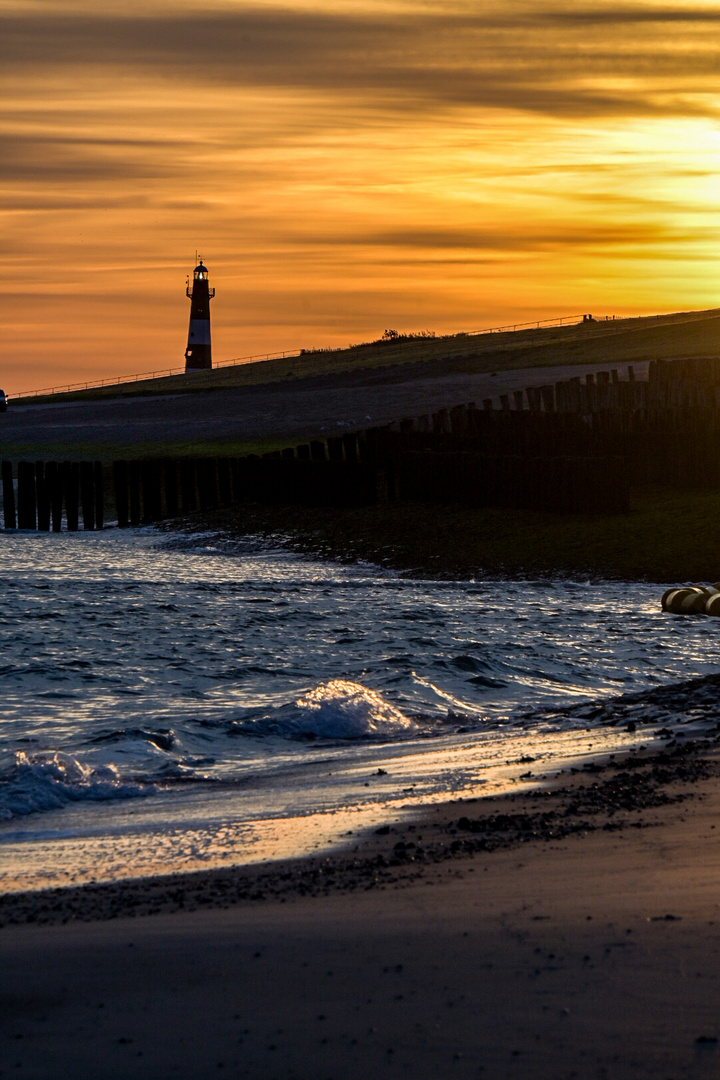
346	710
338	709
46	781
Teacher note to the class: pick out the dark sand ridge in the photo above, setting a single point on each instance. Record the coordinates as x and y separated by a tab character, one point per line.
574	933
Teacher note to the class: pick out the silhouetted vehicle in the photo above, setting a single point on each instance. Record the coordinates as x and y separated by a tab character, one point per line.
3	401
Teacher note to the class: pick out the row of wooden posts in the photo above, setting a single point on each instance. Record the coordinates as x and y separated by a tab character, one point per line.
684	382
545	462
604	390
44	489
577	447
149	491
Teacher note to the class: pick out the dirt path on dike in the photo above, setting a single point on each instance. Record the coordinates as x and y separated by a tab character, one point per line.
272	413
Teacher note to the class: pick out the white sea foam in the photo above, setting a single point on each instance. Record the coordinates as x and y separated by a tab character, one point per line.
46	781
238	682
341	709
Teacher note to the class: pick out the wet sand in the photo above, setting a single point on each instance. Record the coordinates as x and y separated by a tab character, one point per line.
568	933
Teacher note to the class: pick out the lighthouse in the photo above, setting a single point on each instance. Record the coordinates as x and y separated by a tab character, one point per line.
198	355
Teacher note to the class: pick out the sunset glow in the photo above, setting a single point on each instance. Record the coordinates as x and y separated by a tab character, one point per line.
344	168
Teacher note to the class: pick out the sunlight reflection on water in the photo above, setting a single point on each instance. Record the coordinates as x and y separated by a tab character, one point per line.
237	680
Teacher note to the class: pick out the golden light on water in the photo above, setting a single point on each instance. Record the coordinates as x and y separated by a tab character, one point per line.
345	168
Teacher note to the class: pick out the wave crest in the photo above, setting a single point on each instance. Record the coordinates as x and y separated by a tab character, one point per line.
49	780
341	709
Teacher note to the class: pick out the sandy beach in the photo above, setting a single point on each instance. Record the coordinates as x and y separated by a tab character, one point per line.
569	932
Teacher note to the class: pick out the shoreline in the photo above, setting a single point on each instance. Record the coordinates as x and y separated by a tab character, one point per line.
667	537
591	953
607	795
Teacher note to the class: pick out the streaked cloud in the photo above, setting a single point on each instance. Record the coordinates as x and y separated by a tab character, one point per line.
342	170
568	62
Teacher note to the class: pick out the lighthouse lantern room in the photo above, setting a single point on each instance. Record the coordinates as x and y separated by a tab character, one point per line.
198	355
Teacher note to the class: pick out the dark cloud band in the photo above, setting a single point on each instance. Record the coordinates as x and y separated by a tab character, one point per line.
574	62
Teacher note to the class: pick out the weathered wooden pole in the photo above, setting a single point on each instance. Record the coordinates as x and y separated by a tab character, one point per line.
170	470
187	485
207	483
134	486
53	486
335	448
43	498
225	481
87	494
70	478
151	478
350	445
120	487
99	495
8	495
26	495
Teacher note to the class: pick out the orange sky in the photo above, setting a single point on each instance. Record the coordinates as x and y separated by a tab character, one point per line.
345	168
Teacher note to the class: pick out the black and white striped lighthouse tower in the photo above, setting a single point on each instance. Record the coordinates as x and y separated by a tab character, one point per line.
198	355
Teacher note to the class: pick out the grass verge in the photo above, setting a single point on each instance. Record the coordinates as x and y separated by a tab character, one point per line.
694	333
108	452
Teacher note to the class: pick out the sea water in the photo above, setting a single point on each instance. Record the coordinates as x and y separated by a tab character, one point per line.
177	701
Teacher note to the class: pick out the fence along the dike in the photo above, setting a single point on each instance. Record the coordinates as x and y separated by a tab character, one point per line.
575	445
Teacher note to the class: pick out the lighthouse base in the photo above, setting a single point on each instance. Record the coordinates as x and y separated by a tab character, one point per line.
198	358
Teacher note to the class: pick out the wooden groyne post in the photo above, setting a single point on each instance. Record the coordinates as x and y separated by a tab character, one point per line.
44	487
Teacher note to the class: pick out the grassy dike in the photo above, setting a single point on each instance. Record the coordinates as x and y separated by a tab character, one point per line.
618	341
668	536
